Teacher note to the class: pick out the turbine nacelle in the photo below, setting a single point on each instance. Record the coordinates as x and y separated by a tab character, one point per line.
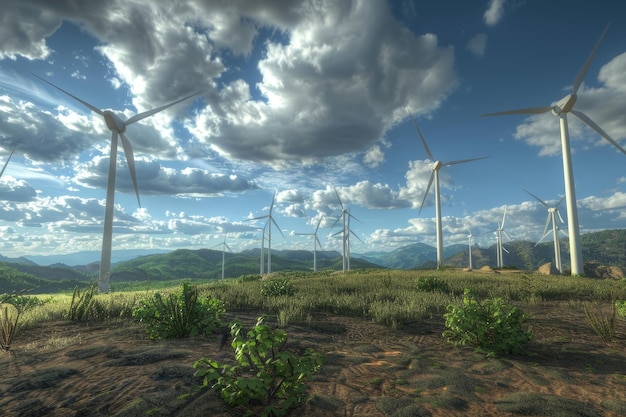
564	105
113	121
436	165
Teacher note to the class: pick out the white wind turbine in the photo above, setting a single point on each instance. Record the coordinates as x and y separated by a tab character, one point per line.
345	233
117	126
500	233
224	246
469	244
435	167
553	212
316	242
560	109
270	220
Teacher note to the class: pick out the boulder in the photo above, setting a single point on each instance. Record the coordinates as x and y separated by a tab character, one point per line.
547	269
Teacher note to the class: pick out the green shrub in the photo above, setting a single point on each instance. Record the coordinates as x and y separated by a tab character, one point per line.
278	286
620	305
266	375
11	308
431	284
492	327
85	306
179	314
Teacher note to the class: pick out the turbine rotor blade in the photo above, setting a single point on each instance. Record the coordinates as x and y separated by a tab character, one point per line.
7	162
582	116
430	182
130	159
318	226
545	229
227	247
93	108
148	113
529	110
338	198
419	132
503	218
462	161
560	201
581	74
537	198
318	241
278	227
355	235
560	218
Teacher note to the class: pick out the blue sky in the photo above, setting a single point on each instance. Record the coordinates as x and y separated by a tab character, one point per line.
299	97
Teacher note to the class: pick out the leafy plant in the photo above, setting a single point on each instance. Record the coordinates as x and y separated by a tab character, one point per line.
492	327
601	322
431	284
11	308
278	286
267	374
620	306
84	305
180	314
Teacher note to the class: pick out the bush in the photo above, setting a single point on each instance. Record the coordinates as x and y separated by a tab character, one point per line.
492	327
431	284
85	306
620	305
267	374
277	286
11	308
179	314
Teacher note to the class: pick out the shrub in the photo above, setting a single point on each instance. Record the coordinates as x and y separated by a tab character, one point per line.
11	308
266	374
492	327
179	314
620	305
277	286
601	321
431	284
85	306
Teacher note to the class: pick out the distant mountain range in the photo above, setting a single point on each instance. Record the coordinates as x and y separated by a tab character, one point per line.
606	248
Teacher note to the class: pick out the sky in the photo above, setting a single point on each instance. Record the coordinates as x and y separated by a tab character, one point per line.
299	99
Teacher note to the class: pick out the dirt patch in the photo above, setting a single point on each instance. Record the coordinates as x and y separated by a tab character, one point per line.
63	369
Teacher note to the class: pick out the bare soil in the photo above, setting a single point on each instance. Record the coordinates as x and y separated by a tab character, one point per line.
68	369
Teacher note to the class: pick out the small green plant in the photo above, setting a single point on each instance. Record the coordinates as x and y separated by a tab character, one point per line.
277	286
492	327
267	375
180	314
431	284
11	308
84	305
620	306
602	322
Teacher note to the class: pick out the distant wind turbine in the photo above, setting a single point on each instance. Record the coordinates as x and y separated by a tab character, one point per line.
560	109
345	233
500	233
270	220
316	242
469	244
117	127
553	212
224	246
435	167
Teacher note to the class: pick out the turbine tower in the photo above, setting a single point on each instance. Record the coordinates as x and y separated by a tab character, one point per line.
435	167
500	233
469	244
316	242
345	233
553	212
224	247
270	220
561	109
117	126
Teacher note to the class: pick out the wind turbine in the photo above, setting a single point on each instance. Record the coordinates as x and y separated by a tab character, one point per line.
224	247
117	126
553	212
270	220
435	167
500	233
316	242
345	233
560	109
469	244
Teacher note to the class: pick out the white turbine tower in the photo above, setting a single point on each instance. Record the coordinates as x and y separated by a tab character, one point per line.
500	233
560	109
469	245
345	233
270	220
224	246
316	242
435	167
117	126
553	212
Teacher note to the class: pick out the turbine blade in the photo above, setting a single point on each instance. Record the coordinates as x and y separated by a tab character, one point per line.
503	217
582	116
130	159
318	226
504	249
461	161
318	241
148	113
543	237
7	162
334	224
560	201
537	198
227	247
94	108
419	132
529	110
560	218
545	229
581	74
430	182
355	235
278	227
338	198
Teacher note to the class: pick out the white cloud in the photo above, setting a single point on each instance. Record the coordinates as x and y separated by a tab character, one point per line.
494	12
477	45
374	157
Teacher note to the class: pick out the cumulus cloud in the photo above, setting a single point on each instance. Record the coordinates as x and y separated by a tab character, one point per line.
494	12
477	45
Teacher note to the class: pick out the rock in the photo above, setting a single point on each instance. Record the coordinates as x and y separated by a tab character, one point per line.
547	269
593	269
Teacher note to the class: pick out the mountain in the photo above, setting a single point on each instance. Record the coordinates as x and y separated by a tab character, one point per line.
411	256
87	257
